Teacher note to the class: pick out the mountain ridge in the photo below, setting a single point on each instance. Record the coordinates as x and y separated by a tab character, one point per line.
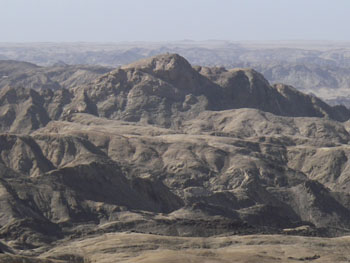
164	88
141	149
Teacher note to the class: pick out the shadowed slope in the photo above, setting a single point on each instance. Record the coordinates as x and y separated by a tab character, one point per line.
160	147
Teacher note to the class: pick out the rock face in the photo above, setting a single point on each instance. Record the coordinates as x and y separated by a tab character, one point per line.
324	77
161	147
315	67
163	90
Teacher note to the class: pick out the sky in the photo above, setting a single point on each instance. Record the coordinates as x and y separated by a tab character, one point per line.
171	20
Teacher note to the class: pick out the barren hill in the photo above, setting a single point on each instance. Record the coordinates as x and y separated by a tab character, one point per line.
317	67
159	147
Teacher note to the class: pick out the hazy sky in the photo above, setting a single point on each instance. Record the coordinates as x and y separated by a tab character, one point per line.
163	20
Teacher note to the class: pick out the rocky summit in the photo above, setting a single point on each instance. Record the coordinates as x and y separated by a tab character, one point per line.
136	163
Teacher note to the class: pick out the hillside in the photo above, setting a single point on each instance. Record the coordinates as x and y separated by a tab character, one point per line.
317	67
159	155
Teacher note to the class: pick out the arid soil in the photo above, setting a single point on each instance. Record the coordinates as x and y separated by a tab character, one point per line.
161	161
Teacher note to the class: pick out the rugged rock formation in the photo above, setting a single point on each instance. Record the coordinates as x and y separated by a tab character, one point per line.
23	74
163	90
161	147
317	67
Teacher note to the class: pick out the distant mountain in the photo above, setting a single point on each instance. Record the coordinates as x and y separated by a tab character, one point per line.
321	68
330	82
23	74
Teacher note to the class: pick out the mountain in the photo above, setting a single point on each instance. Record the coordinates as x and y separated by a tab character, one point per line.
330	82
60	75
161	90
159	149
313	67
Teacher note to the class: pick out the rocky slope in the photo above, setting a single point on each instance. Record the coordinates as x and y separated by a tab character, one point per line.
60	75
317	67
162	90
160	147
331	82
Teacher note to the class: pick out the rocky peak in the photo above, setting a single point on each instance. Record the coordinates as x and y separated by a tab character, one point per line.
171	68
161	63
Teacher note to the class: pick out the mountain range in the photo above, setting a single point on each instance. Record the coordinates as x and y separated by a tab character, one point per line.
313	67
159	154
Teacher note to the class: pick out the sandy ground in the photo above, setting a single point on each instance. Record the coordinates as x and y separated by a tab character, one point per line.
133	247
